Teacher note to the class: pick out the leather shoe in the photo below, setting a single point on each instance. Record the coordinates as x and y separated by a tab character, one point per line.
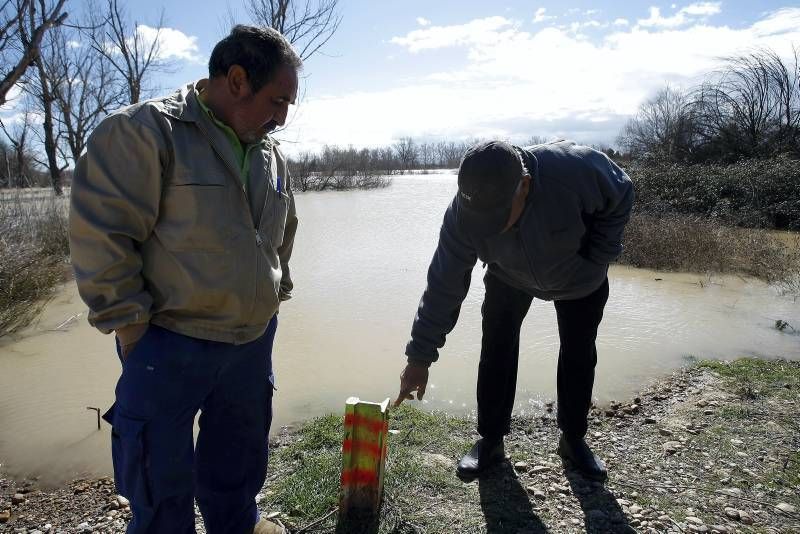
578	453
484	454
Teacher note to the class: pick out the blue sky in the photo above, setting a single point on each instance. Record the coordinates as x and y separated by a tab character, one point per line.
463	69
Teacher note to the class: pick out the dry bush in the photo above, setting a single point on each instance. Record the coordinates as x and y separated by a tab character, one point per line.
33	247
673	242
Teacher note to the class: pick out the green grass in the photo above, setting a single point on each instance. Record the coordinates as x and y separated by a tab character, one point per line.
752	378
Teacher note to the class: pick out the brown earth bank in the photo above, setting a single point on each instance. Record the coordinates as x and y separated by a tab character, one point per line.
714	447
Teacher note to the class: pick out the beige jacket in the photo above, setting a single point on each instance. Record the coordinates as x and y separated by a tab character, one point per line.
161	230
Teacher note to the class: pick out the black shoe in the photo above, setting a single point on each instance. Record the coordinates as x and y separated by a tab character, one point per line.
484	454
582	458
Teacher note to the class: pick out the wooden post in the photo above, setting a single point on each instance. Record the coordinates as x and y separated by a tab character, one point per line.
366	429
98	415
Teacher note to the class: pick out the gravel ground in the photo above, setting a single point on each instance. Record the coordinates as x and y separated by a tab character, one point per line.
712	448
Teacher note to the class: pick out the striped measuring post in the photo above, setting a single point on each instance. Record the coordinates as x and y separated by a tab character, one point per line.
366	429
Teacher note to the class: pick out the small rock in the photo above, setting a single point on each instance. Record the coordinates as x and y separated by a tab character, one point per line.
737	442
698	528
745	518
665	432
635	509
708	412
17	498
733	492
694	520
84	526
650	420
539	469
122	501
671	447
5	515
786	508
721	529
732	513
521	466
623	502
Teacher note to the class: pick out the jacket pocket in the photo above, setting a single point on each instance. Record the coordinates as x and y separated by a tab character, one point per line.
130	457
195	214
278	222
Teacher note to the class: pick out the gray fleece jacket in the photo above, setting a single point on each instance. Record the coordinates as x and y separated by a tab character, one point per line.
560	248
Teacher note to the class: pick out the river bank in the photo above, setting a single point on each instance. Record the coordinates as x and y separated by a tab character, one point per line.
714	447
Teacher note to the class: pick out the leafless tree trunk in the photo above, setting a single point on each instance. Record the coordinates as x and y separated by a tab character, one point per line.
18	136
307	24
21	35
124	46
41	88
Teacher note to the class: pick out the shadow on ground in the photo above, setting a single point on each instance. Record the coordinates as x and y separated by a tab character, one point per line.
601	512
505	503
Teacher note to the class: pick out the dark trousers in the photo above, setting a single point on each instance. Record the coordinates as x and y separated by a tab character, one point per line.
504	309
165	381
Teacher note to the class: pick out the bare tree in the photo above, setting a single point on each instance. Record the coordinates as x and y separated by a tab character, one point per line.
407	153
86	88
40	86
21	35
18	166
132	54
784	77
662	126
307	24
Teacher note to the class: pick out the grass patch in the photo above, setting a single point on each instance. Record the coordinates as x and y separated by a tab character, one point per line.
751	378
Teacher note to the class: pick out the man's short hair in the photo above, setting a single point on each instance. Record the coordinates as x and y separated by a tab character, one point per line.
259	51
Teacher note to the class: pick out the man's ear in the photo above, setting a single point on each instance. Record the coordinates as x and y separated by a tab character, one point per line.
238	84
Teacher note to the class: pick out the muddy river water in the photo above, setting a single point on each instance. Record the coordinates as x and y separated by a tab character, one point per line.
359	269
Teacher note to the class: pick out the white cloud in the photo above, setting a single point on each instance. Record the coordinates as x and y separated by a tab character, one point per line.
621	22
74	44
422	21
447	36
682	17
546	82
540	16
703	9
173	44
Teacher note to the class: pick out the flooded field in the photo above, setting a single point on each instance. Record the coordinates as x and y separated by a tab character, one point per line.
359	269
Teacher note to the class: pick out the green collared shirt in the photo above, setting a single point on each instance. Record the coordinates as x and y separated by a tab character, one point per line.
242	152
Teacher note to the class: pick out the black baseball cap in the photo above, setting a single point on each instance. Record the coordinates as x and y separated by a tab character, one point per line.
487	180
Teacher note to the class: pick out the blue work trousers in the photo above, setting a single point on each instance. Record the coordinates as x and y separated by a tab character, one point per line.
165	381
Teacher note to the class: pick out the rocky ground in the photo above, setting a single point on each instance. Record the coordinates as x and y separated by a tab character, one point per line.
713	448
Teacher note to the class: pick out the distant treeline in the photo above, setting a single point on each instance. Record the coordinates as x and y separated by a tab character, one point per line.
335	167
